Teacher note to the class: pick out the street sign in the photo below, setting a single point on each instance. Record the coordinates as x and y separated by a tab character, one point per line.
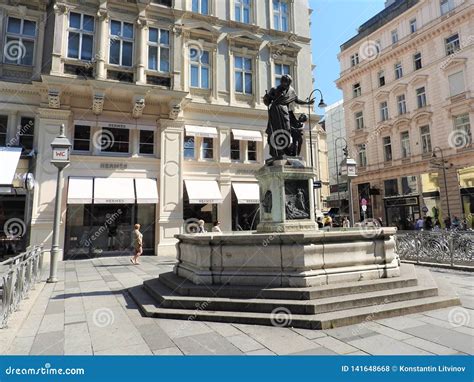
425	209
363	202
317	184
364	207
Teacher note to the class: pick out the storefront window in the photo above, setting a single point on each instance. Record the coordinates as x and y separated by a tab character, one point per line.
115	140
252	151
13	229
193	212
82	138
245	217
147	142
26	133
3	130
189	147
391	187
235	149
207	148
409	185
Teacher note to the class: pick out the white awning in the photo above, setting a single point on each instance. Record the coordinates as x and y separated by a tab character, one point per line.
114	191
203	192
247	135
80	191
9	157
201	131
147	191
247	193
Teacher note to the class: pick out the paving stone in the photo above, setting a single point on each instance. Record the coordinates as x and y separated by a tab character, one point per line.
335	345
126	350
168	351
445	337
430	346
77	339
51	343
400	323
244	342
454	315
55	307
225	330
52	323
316	351
310	334
344	332
181	328
208	343
155	337
260	352
21	346
389	332
383	345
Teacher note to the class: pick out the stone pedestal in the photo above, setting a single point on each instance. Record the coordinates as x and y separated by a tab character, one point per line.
286	197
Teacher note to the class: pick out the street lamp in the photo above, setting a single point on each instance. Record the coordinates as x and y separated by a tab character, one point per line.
444	175
61	148
337	166
348	170
321	105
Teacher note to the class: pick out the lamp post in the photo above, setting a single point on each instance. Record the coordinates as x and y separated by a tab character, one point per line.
437	148
321	105
337	166
348	166
61	148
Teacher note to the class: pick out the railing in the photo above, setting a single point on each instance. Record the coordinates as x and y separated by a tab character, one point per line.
453	248
18	276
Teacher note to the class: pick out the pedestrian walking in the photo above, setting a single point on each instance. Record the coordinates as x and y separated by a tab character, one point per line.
201	228
346	223
137	244
217	228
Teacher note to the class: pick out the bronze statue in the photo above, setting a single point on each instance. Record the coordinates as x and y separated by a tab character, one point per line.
284	130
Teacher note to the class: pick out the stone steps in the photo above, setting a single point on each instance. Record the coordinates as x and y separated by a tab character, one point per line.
166	298
186	288
358	302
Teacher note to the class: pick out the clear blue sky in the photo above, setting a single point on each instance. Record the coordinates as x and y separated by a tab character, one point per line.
333	23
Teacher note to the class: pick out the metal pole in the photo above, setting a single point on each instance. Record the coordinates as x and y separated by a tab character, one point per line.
445	183
311	153
337	177
56	227
351	211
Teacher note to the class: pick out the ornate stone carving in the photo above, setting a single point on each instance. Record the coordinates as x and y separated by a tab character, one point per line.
98	103
54	99
138	106
175	110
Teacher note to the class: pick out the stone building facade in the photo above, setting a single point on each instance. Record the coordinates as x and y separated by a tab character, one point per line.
162	102
408	82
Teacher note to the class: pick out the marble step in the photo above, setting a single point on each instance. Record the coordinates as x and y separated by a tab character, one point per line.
186	288
149	308
166	298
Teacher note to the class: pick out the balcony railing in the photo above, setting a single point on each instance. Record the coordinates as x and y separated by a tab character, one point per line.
18	276
453	248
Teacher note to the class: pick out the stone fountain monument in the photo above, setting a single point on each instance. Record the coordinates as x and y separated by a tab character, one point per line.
316	279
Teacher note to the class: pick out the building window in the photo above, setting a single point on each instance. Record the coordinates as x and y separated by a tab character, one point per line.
189	144
381	78
201	6
114	140
242	11
3	130
409	185
446	6
462	127
452	44
200	68
19	42
383	111
251	151
207	149
456	83
398	70
413	26
235	149
356	90
425	139
359	120
243	75
391	187
417	61
80	36
26	133
361	149
280	70
147	142
394	36
121	43
82	138
421	97
387	149
159	49
280	15
402	105
405	144
355	59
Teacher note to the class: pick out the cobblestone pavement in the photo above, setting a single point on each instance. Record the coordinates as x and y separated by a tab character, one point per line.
90	312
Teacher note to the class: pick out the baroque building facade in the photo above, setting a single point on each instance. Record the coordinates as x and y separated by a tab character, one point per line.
162	102
408	82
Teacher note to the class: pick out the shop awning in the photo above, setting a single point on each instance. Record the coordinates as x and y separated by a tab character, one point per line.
9	157
147	191
247	135
80	191
203	192
201	131
247	193
114	191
